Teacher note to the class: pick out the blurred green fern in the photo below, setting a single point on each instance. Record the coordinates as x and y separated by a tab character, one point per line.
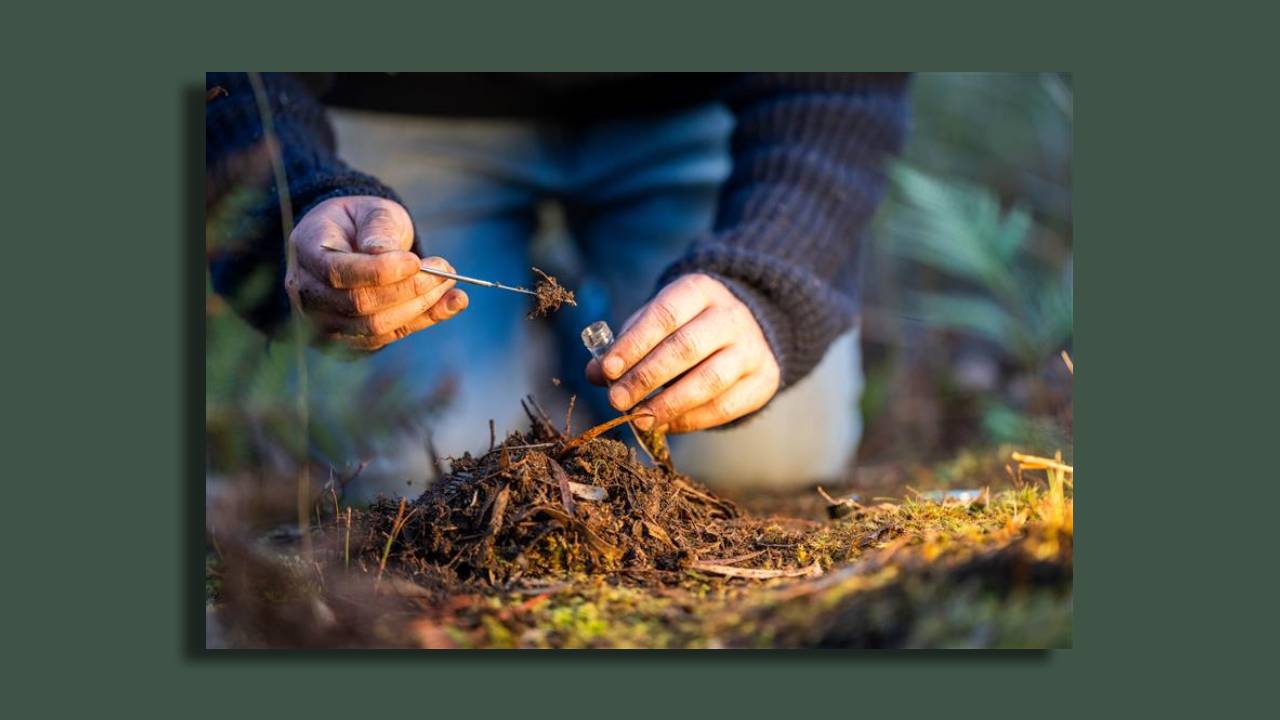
1014	297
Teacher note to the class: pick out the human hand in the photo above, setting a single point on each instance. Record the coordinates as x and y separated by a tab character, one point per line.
696	330
355	280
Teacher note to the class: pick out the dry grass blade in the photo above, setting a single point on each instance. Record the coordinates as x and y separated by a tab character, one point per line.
813	570
568	416
396	526
298	327
1035	462
1057	473
346	544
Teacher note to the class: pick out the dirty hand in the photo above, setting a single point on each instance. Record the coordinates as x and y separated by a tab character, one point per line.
697	331
355	279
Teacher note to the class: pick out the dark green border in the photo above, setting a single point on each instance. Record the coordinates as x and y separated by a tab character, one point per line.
103	463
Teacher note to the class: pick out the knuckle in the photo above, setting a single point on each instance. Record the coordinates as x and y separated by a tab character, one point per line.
686	345
394	210
701	284
693	280
333	275
381	269
664	314
425	303
379	216
361	301
387	269
643	379
712	379
628	348
772	373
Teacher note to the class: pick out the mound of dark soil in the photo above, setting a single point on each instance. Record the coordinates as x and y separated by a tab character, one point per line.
543	504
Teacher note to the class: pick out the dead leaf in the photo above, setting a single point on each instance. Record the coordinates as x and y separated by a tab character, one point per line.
562	478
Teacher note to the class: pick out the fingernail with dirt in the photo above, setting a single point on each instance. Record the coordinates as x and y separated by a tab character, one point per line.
644	423
613	366
456	302
618	398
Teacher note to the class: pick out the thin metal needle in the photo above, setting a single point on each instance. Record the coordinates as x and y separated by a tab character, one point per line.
474	281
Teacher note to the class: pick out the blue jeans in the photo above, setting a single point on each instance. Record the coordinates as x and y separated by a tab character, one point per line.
633	192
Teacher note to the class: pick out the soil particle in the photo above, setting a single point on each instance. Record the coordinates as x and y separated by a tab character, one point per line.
551	295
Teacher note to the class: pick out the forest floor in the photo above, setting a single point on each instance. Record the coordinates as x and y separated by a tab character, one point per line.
553	541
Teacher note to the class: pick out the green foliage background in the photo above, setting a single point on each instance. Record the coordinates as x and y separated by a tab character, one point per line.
969	290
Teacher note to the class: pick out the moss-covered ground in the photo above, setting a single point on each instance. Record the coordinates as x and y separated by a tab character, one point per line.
918	570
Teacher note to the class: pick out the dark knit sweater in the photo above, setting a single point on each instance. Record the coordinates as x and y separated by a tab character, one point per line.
808	155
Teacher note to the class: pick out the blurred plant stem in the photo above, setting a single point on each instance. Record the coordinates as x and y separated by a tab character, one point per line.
296	324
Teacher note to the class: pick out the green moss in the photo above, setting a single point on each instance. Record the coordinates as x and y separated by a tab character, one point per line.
992	573
952	582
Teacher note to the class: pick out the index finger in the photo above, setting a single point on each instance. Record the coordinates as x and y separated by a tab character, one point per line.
677	304
347	270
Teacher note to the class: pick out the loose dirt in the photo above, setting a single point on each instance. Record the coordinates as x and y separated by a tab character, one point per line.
551	295
543	504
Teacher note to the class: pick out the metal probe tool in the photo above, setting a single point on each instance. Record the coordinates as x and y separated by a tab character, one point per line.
476	281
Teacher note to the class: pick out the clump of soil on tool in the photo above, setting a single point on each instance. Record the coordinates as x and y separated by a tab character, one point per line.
543	504
551	295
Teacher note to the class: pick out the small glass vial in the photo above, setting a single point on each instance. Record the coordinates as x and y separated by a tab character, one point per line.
597	337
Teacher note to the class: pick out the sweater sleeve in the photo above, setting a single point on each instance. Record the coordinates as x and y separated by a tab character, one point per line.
244	230
809	151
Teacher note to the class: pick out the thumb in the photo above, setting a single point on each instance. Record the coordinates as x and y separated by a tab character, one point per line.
383	227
